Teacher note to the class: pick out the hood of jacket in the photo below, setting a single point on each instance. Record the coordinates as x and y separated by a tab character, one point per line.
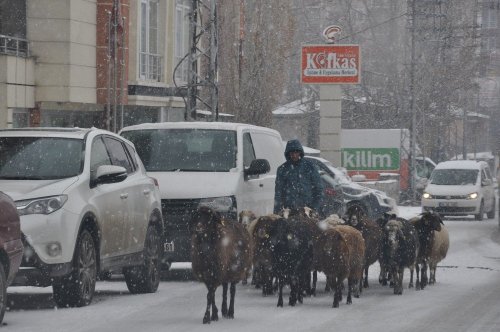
293	145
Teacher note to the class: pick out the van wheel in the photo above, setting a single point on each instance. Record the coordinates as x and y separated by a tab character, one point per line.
77	289
146	278
480	215
491	213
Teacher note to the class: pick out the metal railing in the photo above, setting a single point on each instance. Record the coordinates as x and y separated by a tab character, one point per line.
14	46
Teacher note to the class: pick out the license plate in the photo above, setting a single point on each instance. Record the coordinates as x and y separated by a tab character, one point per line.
169	246
448	204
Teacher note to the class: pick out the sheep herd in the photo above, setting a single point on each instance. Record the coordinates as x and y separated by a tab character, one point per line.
290	248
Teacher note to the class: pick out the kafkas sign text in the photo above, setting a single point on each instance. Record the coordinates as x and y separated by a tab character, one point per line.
330	64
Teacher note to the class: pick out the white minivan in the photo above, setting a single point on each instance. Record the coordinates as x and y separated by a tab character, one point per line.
460	187
228	166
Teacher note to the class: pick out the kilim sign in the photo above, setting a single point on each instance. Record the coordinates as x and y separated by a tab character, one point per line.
371	159
330	64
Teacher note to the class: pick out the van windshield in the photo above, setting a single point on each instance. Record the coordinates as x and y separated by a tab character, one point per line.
454	177
185	150
40	158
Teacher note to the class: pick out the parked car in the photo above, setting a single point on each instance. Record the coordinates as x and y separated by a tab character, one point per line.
374	202
460	187
87	208
333	196
11	247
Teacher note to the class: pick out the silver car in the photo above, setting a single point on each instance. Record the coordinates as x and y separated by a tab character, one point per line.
87	208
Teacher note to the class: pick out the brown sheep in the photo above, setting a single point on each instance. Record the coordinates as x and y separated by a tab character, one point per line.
339	252
246	217
434	243
372	234
221	253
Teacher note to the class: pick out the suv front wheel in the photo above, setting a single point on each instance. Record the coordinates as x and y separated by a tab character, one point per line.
146	278
77	289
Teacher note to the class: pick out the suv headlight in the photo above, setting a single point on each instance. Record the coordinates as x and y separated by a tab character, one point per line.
426	195
45	205
221	204
472	196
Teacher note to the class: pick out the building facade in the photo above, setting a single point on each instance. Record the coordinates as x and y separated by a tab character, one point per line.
103	63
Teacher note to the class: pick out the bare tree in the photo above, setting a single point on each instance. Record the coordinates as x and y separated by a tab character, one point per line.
254	39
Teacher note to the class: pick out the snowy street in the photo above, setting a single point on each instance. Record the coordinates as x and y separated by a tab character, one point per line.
466	297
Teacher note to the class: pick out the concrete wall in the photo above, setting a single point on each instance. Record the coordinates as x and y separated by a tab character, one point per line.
63	40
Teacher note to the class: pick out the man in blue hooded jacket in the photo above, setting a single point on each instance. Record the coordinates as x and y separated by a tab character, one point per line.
298	183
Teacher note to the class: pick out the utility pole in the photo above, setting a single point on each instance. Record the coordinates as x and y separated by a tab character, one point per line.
413	131
202	89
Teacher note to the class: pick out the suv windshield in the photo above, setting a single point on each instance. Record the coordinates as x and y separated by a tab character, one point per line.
40	158
187	150
454	176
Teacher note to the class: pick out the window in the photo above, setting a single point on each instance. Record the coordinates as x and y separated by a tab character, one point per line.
490	18
150	60
117	154
40	158
181	39
99	156
248	152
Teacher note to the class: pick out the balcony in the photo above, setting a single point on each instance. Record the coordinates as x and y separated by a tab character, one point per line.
14	46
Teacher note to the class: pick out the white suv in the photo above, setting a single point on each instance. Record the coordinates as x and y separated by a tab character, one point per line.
87	208
460	187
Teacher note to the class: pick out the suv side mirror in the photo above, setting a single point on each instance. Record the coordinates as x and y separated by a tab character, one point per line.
257	167
109	174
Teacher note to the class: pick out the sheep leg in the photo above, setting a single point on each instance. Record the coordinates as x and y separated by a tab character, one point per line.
314	281
336	285
410	285
423	278
418	285
382	278
230	314
280	292
365	285
398	280
432	273
224	300
206	317
350	286
292	299
215	311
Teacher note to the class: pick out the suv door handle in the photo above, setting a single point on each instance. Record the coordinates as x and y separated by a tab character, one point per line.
146	192
124	196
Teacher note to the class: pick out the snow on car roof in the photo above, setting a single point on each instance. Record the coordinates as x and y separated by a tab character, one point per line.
459	164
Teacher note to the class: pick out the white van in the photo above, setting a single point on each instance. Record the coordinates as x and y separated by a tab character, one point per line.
460	187
229	166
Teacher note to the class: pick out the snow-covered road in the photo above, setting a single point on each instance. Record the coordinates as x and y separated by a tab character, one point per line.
465	298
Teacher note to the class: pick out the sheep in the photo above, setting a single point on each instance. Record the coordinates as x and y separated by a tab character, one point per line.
220	253
434	243
372	234
385	275
246	217
400	248
264	238
293	254
339	252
